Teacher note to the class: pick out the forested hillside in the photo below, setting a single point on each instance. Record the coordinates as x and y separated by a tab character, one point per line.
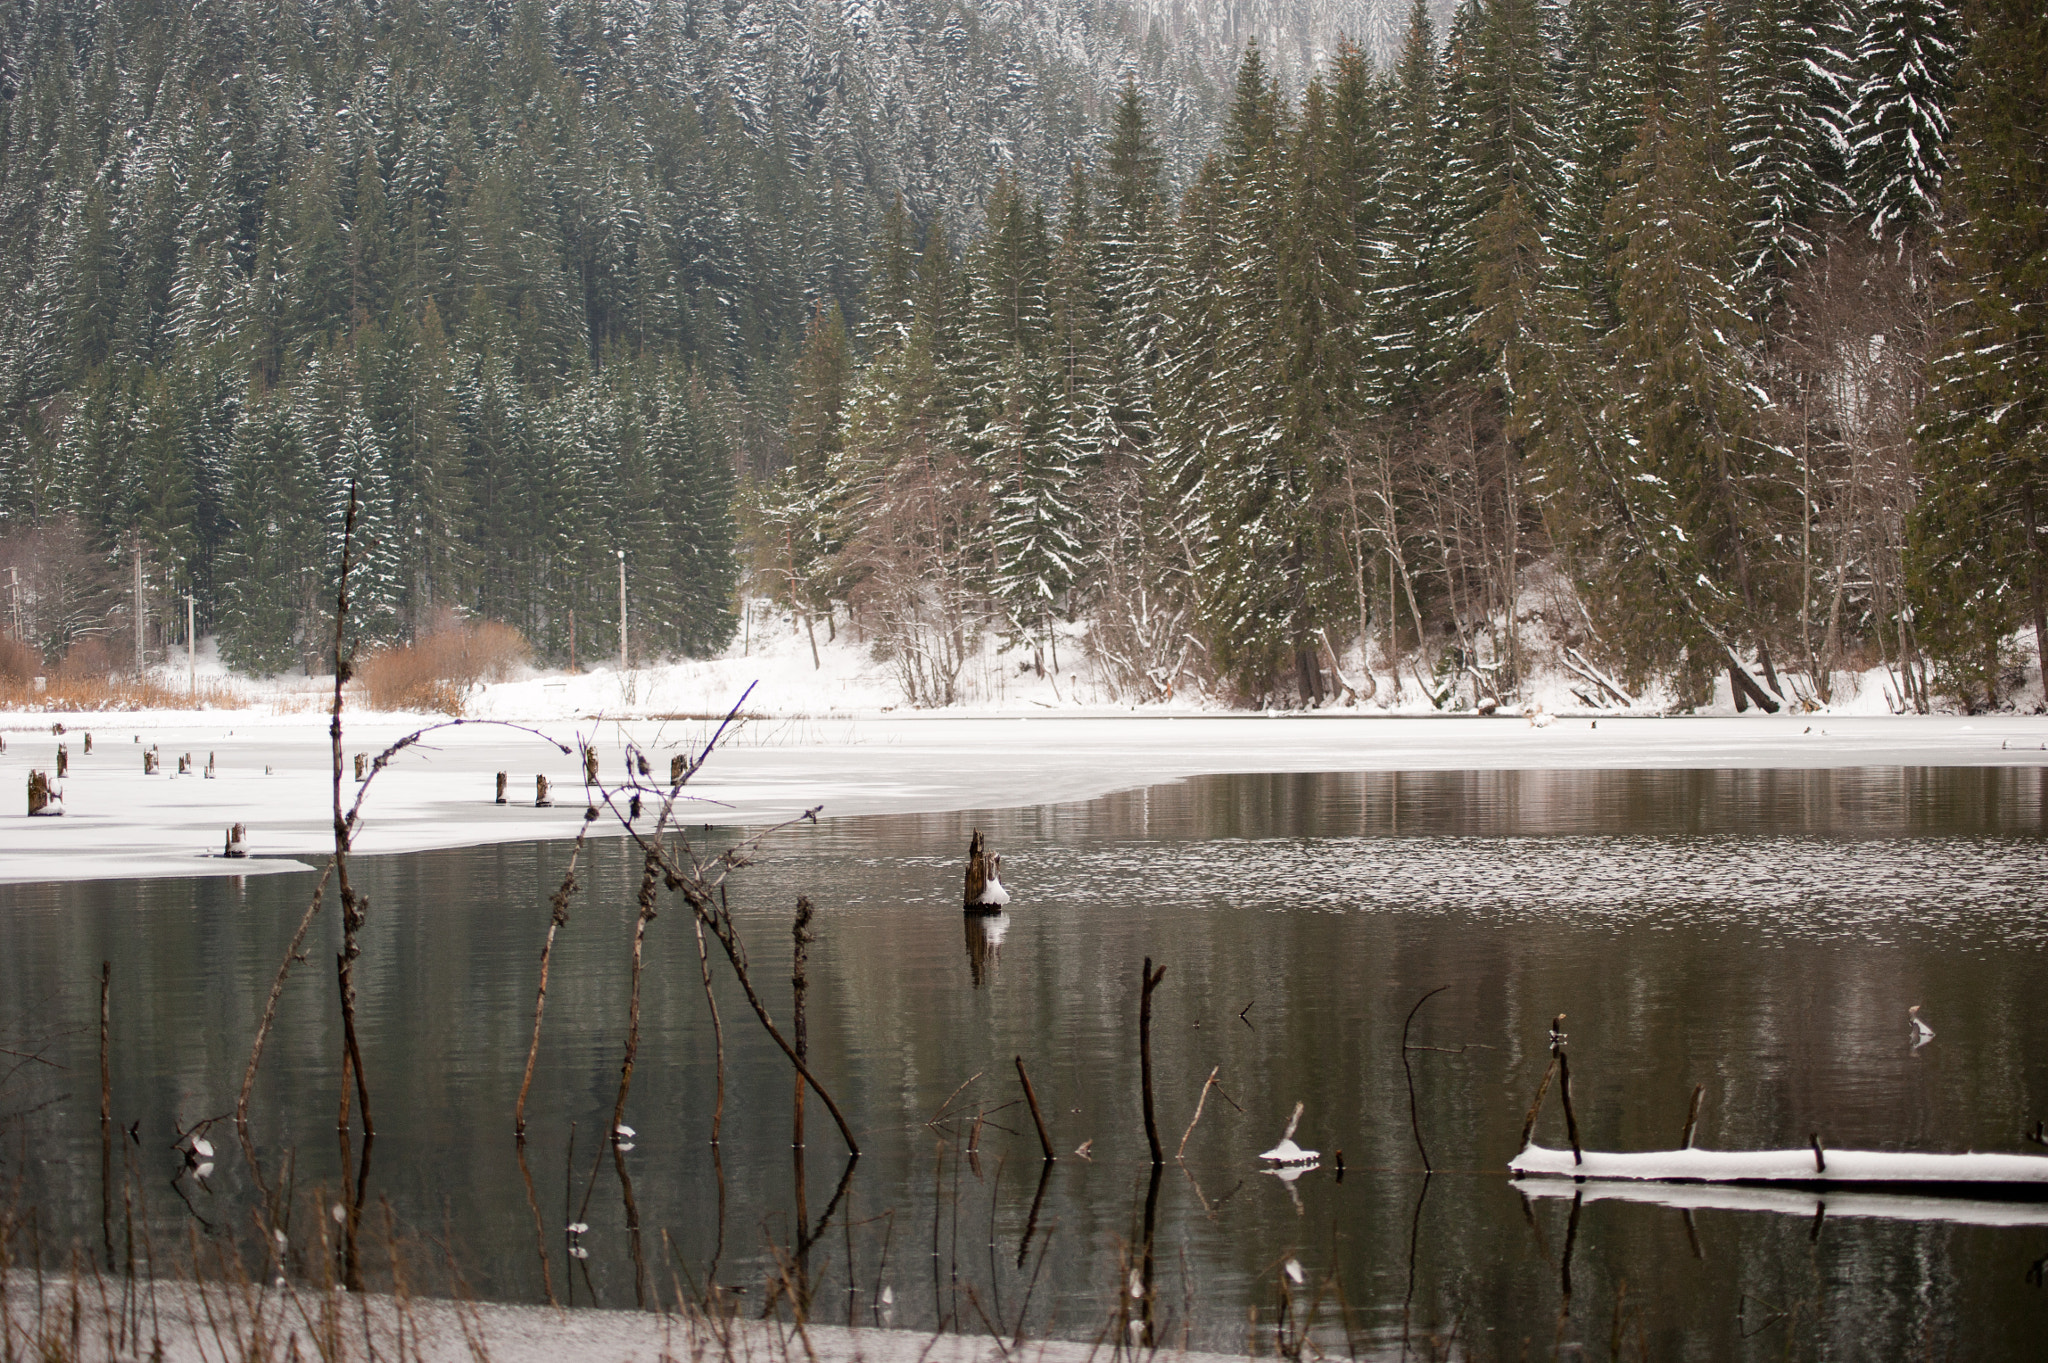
531	276
1701	338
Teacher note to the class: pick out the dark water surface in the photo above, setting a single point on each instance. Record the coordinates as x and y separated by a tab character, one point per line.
1759	933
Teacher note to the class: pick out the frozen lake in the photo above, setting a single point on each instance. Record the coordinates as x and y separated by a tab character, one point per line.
1759	932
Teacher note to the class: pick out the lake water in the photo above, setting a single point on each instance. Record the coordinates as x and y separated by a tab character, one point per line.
1760	933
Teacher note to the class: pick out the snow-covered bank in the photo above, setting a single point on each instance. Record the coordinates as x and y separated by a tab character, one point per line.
273	769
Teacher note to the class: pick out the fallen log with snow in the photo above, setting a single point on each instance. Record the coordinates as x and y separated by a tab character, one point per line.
1804	1203
1983	1175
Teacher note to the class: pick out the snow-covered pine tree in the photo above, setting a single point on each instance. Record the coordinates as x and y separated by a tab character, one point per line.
1906	59
376	576
1788	78
1690	489
269	572
1978	532
1413	305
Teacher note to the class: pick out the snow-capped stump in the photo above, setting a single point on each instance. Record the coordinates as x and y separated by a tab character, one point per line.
237	845
984	890
44	800
1287	1154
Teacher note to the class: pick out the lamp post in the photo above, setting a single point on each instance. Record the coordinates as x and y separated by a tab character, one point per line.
622	612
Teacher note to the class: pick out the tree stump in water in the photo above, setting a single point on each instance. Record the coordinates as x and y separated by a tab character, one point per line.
977	872
540	793
984	892
237	846
63	762
43	800
501	787
590	766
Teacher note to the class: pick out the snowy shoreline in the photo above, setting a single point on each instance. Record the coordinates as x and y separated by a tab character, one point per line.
273	769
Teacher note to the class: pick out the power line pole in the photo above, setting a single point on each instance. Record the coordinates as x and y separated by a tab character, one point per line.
191	650
622	612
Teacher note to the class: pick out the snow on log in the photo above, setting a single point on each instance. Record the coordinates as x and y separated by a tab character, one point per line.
1799	1202
2008	1175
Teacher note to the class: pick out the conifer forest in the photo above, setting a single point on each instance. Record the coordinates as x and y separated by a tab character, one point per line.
1276	353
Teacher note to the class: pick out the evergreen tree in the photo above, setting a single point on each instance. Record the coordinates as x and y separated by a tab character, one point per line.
1690	482
1900	122
269	567
1978	533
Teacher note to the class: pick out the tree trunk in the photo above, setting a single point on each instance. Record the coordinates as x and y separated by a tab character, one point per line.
2034	593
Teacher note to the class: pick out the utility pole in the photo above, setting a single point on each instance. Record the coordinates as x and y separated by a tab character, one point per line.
14	591
135	539
622	612
191	650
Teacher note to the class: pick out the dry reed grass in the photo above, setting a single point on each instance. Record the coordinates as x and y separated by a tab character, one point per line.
435	671
72	694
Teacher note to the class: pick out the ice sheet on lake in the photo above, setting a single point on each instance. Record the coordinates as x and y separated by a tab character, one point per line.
274	770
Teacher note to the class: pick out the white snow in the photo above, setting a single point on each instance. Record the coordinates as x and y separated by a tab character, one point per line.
1848	1167
1287	1152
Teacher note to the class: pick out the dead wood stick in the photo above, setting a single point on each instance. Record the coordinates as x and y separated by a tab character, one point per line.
722	929
1529	1122
1414	1116
1200	1099
717	1033
800	986
1151	979
354	908
648	874
1564	1091
1037	1117
1692	1117
558	917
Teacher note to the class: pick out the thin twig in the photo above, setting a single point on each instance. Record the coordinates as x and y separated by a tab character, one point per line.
1200	1099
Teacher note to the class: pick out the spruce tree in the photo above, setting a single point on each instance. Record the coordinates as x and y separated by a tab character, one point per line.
1981	528
1900	121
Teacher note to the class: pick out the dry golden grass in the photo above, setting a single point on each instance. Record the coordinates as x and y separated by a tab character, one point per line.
435	671
74	693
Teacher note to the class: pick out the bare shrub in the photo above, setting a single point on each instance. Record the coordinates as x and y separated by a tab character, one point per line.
435	671
88	659
18	661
